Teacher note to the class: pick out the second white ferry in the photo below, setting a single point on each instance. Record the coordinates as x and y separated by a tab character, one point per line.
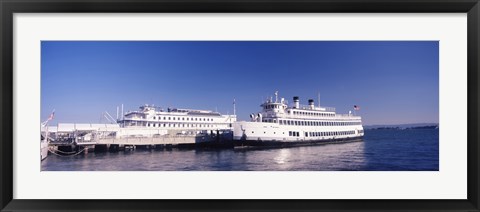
278	123
177	120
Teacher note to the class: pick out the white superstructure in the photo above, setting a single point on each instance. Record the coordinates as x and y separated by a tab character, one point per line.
177	120
278	122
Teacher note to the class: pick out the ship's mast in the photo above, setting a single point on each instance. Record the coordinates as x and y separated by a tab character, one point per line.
318	99
234	109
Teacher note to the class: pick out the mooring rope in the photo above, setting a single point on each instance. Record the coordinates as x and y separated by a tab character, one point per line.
72	152
51	151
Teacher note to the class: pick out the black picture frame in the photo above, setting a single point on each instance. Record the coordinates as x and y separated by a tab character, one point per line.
9	7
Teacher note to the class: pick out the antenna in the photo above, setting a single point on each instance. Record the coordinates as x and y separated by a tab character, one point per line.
234	109
117	113
276	96
319	99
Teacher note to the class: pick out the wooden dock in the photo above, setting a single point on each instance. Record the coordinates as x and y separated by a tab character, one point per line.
112	144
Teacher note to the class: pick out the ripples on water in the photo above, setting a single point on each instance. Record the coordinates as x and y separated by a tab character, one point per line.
380	150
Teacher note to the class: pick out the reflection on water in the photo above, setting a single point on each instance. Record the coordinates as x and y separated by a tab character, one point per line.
379	150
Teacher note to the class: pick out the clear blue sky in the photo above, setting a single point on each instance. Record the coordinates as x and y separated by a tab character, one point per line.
393	82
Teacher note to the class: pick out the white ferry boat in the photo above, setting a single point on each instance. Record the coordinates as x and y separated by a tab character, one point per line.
43	147
279	124
176	120
44	137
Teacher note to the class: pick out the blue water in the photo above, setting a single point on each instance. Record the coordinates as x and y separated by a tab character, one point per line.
380	150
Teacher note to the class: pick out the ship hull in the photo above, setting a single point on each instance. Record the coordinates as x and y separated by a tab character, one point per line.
275	143
260	132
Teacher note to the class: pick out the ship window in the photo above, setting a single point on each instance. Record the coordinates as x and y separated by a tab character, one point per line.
183	119
252	132
173	118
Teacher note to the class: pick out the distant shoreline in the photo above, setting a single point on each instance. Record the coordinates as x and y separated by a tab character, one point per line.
403	126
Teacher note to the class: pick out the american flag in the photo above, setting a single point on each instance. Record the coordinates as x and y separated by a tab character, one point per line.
51	116
356	107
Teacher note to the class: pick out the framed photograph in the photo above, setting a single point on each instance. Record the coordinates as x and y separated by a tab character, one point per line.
240	105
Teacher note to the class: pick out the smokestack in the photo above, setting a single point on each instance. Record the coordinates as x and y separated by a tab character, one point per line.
311	104
296	102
